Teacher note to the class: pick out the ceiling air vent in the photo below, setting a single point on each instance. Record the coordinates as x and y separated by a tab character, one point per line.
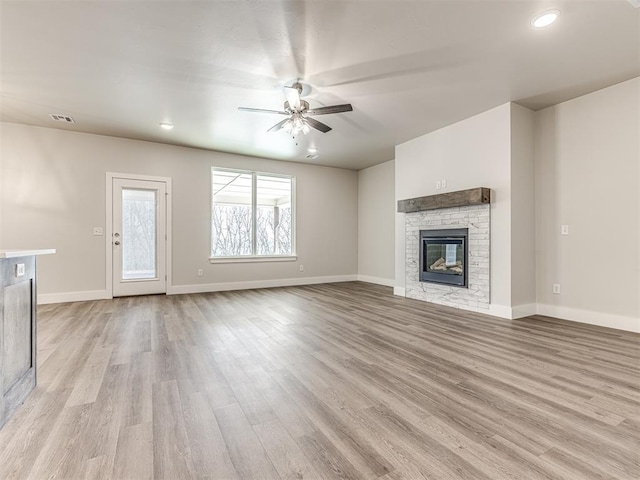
312	156
635	3
61	118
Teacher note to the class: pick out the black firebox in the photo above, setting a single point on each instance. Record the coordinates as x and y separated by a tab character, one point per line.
444	256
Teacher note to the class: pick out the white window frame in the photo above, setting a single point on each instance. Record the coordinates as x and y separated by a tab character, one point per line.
254	201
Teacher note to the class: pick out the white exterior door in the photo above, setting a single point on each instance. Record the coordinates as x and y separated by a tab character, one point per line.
139	237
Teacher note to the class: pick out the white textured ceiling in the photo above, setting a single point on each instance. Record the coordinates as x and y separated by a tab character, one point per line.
407	67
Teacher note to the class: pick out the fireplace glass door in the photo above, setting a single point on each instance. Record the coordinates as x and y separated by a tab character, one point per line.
443	256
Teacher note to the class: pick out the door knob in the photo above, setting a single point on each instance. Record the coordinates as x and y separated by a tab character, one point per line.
117	242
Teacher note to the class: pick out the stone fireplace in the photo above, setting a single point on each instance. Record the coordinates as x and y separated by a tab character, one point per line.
455	270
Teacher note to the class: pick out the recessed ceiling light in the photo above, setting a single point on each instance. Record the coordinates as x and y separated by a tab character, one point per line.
312	150
166	126
545	19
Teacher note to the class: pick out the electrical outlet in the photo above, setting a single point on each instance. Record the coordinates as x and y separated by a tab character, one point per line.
438	184
97	231
564	230
19	269
556	288
200	273
302	268
443	183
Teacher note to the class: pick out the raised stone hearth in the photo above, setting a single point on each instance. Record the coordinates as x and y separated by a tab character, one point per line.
477	219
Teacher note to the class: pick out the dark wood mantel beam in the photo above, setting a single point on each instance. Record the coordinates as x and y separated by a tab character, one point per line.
461	198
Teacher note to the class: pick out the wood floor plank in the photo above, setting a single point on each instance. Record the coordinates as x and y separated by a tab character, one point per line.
100	435
569	465
94	468
327	459
446	462
247	453
209	453
356	448
90	379
218	390
284	453
62	456
134	454
171	455
62	367
333	381
288	413
138	406
23	440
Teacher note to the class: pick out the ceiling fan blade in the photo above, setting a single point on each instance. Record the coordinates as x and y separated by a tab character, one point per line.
261	110
330	109
312	122
293	97
279	125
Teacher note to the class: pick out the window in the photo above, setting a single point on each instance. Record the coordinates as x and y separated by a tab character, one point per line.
252	215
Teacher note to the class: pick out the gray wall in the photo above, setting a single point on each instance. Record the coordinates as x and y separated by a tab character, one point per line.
376	214
587	167
53	194
523	259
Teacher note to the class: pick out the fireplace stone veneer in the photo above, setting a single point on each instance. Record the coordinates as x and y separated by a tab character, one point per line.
477	219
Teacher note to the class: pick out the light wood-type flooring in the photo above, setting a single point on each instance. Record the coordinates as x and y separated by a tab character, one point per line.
337	381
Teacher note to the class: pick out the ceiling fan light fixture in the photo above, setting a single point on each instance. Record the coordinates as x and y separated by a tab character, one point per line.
288	126
545	18
300	115
296	124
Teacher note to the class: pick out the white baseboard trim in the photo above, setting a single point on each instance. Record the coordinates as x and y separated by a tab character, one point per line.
400	291
387	282
512	313
501	311
280	282
619	322
521	311
46	298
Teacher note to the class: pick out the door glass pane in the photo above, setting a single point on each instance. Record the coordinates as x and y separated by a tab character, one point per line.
138	234
273	217
231	228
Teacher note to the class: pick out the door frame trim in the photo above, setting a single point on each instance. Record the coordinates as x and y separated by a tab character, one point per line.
108	231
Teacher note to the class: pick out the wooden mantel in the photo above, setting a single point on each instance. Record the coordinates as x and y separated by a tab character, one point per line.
461	198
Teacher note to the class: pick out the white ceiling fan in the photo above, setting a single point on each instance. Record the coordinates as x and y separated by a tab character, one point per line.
299	114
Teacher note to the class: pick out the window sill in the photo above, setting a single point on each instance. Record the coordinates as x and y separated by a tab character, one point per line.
256	259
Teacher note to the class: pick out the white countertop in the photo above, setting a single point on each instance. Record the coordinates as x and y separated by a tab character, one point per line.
25	253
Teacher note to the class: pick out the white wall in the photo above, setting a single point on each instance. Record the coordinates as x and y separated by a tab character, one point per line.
587	176
376	219
523	259
53	193
475	152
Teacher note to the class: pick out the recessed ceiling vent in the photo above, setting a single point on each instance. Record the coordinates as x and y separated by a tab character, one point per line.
312	156
635	3
61	118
